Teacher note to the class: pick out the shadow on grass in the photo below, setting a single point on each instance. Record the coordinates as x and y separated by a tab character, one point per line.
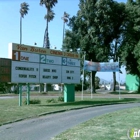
79	103
117	92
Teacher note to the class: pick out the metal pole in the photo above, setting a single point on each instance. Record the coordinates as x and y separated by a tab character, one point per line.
83	78
20	95
119	81
63	32
91	82
28	94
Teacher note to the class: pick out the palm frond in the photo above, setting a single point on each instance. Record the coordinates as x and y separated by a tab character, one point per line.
49	4
65	17
50	15
24	7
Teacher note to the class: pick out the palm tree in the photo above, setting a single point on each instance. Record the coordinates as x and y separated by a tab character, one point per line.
65	20
24	7
49	16
49	4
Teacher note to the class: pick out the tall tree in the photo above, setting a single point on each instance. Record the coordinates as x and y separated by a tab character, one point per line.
94	29
131	39
49	4
117	28
129	1
138	1
24	7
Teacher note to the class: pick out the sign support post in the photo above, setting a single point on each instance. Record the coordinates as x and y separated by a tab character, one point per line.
28	94
119	80
91	84
69	93
20	94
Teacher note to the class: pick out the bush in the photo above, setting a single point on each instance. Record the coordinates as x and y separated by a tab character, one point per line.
2	90
51	101
44	93
78	87
138	91
34	101
61	99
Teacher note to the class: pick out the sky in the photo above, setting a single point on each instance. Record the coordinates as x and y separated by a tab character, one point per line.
33	27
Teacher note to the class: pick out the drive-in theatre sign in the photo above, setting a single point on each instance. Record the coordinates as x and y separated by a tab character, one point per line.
40	65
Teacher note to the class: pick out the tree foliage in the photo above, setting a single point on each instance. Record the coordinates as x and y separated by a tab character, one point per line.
24	7
130	49
95	28
49	16
49	4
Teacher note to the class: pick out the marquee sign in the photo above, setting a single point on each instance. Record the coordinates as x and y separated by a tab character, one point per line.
40	65
37	50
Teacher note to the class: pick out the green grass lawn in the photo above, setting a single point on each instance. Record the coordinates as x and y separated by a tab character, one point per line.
112	126
10	111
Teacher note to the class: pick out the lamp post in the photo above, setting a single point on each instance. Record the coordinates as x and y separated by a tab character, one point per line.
119	79
83	76
83	72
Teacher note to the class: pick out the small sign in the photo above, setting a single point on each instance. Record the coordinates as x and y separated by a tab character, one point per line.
25	72
5	70
70	74
50	73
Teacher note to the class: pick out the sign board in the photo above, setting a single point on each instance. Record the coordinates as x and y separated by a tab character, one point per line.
70	74
5	70
25	72
101	66
37	50
40	65
50	73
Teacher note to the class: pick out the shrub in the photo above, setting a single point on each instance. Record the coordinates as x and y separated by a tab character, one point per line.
60	98
51	100
78	87
33	101
44	93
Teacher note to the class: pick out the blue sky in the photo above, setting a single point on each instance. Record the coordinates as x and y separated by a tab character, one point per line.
34	26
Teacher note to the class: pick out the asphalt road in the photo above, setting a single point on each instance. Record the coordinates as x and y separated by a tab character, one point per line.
46	127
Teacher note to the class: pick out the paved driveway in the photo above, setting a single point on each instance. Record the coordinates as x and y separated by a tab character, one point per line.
46	127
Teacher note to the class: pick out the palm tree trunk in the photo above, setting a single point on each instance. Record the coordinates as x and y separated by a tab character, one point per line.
48	43
63	34
46	36
44	39
20	30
